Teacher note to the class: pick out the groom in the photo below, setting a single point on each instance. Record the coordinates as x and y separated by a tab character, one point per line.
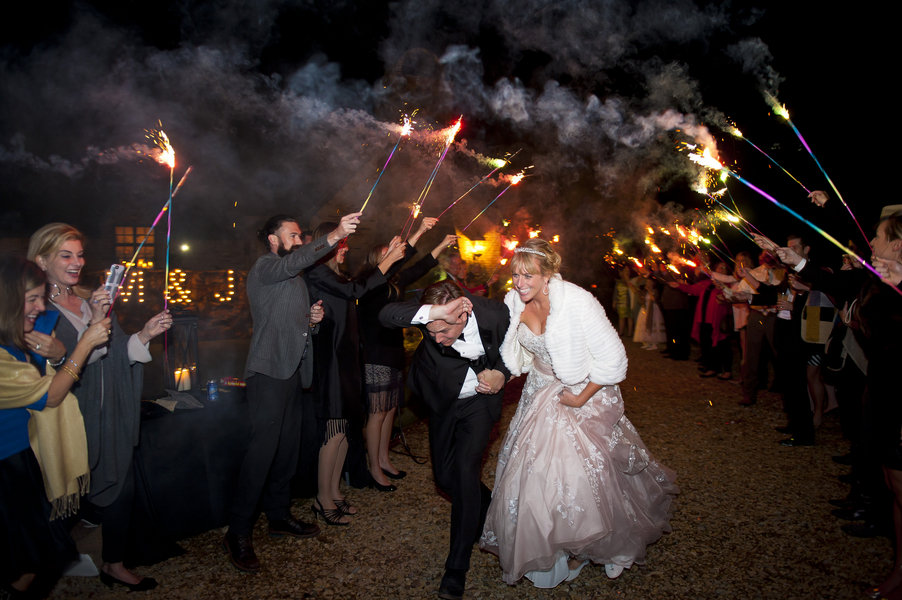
458	372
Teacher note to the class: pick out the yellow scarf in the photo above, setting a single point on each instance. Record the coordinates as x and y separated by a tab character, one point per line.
57	435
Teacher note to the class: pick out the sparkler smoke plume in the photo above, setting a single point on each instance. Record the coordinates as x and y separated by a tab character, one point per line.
288	106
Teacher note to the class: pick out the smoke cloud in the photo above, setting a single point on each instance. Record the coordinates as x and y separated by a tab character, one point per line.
594	94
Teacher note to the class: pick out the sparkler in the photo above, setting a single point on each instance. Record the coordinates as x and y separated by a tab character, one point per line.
503	163
405	131
513	181
707	160
418	205
166	157
737	133
780	110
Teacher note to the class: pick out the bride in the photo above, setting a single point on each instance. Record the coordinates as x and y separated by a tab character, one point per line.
574	481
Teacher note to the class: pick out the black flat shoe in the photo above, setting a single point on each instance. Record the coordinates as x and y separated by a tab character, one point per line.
399	475
146	583
382	488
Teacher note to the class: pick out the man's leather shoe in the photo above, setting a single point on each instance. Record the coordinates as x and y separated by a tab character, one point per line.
241	552
453	584
293	527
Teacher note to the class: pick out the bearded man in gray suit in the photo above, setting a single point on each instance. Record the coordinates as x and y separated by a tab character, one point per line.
276	366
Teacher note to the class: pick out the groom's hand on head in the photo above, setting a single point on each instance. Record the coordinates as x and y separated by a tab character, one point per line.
453	312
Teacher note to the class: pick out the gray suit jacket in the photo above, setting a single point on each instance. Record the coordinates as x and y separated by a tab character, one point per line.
280	308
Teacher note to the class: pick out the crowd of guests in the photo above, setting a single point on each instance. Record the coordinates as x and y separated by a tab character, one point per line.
70	389
71	379
831	335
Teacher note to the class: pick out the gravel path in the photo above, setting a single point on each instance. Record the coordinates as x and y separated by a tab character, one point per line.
752	519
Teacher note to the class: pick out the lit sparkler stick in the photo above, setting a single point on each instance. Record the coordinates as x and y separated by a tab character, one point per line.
737	133
780	109
734	219
405	131
782	206
514	181
166	157
418	205
503	163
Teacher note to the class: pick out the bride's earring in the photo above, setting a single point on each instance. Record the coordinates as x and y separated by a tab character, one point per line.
545	289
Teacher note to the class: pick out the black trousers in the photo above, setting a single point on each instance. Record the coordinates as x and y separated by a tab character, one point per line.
264	481
457	440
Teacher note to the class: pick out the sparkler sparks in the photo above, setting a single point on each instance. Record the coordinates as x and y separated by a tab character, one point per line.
782	206
738	134
405	132
498	163
780	110
449	139
514	180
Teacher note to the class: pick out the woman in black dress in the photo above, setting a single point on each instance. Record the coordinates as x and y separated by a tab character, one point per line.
383	349
337	366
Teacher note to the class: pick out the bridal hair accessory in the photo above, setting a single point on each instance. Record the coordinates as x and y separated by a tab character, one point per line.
529	250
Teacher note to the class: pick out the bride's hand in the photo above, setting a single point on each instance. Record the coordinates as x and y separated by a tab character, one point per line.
568	398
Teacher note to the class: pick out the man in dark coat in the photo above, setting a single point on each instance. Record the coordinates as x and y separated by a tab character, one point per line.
282	315
458	372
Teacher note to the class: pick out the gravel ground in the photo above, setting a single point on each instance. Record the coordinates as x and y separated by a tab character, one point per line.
752	519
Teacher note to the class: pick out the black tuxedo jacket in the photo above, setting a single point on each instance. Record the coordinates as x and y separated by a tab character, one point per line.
438	372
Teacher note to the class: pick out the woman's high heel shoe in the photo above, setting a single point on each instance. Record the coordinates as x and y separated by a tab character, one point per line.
332	516
382	488
146	583
346	507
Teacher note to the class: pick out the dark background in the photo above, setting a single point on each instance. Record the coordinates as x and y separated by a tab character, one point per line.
292	107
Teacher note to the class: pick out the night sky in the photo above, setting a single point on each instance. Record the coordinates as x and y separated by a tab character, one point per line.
294	106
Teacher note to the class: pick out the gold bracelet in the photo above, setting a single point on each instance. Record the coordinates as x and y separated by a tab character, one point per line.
71	373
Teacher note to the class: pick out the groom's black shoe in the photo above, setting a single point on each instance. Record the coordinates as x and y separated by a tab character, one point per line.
453	584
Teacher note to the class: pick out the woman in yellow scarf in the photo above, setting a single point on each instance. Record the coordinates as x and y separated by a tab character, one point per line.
43	453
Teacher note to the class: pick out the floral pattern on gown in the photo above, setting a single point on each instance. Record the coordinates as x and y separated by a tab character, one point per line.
572	481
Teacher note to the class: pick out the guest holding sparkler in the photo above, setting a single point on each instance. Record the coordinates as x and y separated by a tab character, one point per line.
574	483
711	325
337	384
109	391
278	365
876	321
383	348
34	398
764	284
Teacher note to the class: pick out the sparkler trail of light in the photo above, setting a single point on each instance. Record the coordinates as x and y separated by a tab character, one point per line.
418	205
710	162
131	263
514	181
505	162
738	134
737	226
726	247
405	131
780	110
826	235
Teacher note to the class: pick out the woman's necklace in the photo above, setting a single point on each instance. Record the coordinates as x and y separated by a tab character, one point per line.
59	291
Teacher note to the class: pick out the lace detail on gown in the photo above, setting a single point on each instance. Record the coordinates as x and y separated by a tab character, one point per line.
588	483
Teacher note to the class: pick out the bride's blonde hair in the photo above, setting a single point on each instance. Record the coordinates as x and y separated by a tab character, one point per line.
536	256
